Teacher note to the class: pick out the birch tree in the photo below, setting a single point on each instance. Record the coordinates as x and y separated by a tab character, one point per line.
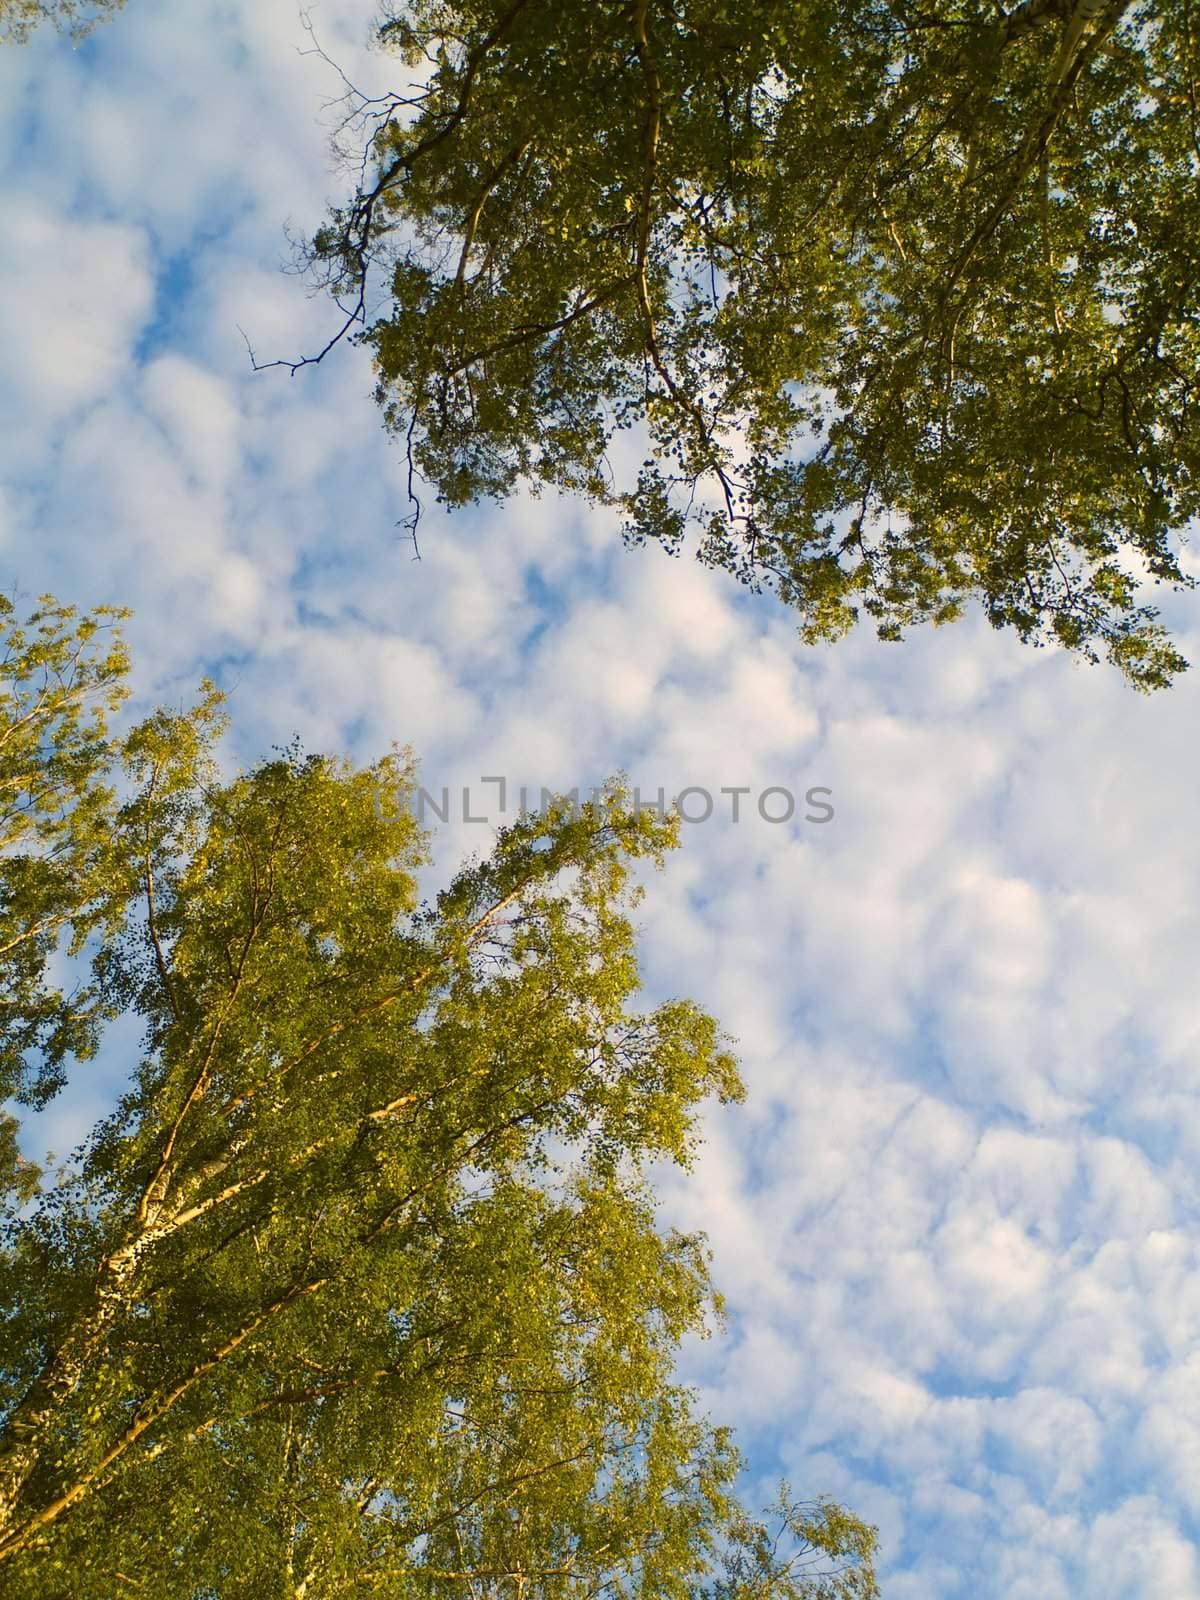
899	301
360	1289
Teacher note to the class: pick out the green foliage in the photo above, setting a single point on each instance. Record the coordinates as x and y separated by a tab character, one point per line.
360	1290
19	1178
61	882
809	1551
18	18
906	298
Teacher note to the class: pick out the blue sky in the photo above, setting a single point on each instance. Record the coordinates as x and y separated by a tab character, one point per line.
956	1221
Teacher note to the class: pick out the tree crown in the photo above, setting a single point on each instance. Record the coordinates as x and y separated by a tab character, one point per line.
903	301
360	1289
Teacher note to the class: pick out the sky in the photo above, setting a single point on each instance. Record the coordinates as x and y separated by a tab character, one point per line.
956	1220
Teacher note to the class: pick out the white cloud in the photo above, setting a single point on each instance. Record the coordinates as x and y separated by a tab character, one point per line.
1136	1552
75	296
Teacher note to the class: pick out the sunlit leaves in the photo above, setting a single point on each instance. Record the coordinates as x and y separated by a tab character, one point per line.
361	1289
61	675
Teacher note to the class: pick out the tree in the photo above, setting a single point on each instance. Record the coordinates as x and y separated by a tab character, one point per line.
61	674
905	297
18	18
360	1289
